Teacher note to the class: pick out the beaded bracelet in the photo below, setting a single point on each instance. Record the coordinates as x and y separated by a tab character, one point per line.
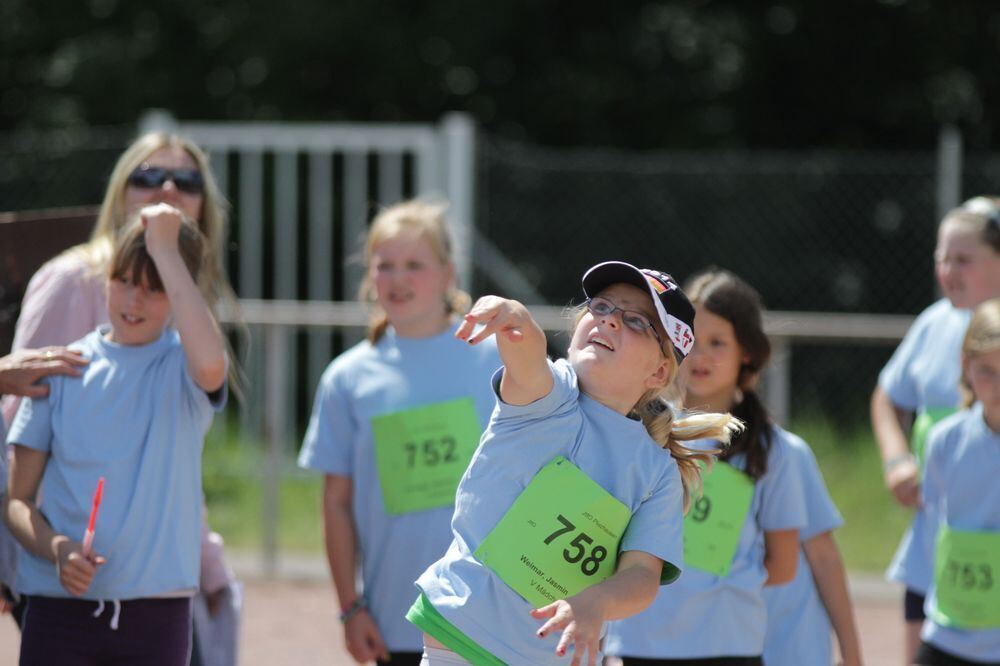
897	460
347	613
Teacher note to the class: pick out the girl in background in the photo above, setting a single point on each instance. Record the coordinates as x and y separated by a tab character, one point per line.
961	492
919	384
395	421
65	300
743	532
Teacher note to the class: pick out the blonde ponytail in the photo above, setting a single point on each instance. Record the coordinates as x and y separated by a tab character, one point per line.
669	431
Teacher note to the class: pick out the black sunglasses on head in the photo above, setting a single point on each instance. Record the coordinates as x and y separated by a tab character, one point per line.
150	177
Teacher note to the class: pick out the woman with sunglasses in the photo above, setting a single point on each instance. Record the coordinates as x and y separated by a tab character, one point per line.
65	300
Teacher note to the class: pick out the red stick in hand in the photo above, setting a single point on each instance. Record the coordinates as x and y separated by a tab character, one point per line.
88	536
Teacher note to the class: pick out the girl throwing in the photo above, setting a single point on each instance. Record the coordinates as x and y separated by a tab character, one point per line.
570	513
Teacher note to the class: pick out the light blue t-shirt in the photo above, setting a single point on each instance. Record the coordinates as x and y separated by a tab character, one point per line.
8	545
135	417
960	482
798	604
366	381
613	450
702	615
923	374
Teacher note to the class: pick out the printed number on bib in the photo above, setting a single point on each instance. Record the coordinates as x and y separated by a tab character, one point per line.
559	537
966	566
713	524
421	454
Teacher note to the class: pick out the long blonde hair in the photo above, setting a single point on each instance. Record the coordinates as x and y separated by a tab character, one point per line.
113	218
420	219
983	335
668	424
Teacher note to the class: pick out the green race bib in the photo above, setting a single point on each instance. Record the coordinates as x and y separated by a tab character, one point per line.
712	526
922	426
559	537
966	565
421	453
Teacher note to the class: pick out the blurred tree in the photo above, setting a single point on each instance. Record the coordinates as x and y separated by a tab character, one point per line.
652	74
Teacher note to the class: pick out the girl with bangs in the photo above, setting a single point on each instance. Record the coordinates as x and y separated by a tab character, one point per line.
136	416
66	299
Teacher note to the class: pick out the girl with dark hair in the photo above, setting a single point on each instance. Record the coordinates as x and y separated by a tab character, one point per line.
742	533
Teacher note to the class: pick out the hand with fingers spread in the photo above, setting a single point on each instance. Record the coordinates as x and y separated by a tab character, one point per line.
21	369
363	639
580	619
76	571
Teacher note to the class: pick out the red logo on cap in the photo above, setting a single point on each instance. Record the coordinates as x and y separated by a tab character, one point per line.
656	284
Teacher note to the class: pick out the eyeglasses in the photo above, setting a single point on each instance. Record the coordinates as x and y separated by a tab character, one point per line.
636	321
147	177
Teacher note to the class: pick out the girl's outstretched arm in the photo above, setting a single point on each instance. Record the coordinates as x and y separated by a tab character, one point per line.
521	343
831	582
629	591
33	531
200	335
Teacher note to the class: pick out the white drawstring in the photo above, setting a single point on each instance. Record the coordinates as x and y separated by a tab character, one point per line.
114	616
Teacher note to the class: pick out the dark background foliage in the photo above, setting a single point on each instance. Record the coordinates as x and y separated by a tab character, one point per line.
694	74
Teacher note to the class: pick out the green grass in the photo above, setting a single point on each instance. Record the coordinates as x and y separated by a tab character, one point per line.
852	469
850	463
233	480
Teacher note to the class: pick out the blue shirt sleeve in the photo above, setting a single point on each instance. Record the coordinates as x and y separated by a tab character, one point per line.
560	400
896	378
657	526
32	426
327	446
782	500
201	401
3	458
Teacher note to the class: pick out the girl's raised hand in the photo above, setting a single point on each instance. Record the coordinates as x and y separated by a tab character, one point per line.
162	223
76	571
581	625
500	316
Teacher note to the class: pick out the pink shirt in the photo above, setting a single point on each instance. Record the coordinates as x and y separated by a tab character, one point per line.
65	300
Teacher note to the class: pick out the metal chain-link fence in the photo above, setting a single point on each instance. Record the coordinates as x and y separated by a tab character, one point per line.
827	231
812	231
